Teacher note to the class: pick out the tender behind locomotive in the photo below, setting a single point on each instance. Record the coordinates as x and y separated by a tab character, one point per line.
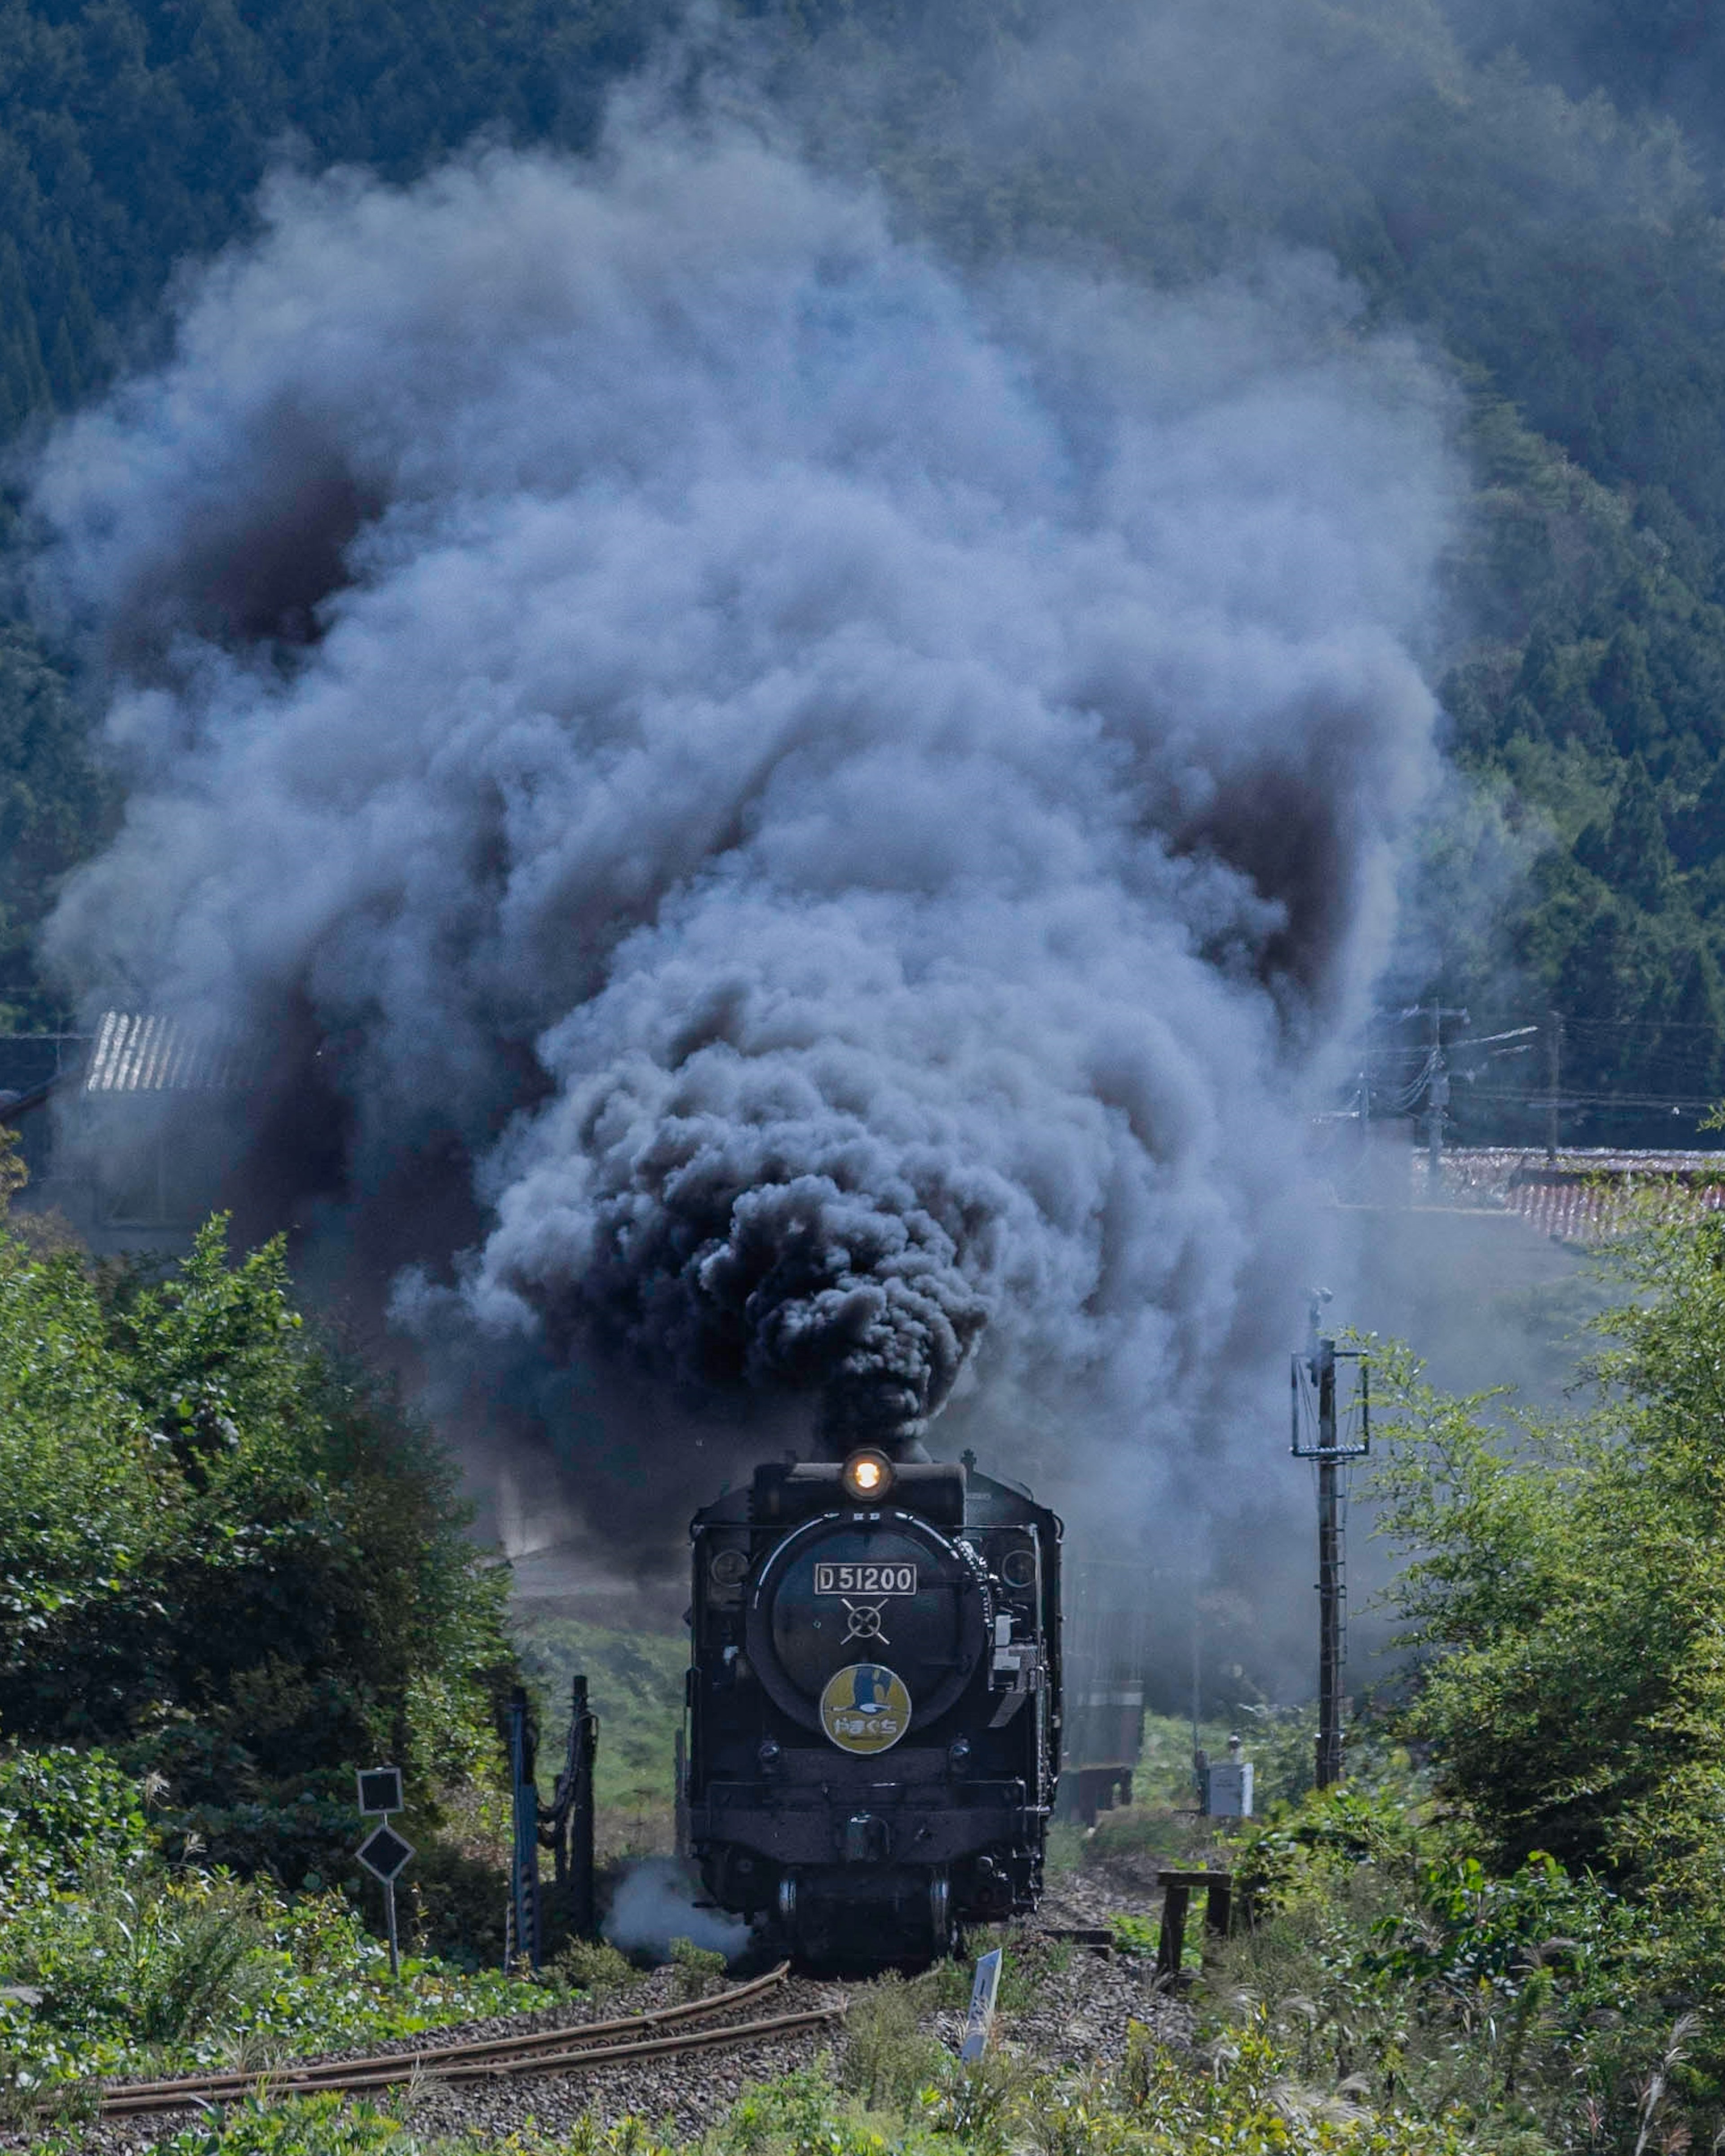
874	1703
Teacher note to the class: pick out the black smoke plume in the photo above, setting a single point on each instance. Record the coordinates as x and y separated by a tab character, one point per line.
822	815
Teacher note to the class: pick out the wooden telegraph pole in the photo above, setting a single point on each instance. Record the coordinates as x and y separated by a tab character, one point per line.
1318	1435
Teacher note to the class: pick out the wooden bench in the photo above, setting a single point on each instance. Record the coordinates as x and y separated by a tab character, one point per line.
1178	1888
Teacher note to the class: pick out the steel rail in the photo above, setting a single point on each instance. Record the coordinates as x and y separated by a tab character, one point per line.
575	2033
405	2066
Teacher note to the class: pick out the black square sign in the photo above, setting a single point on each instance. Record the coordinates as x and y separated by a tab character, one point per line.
384	1853
379	1790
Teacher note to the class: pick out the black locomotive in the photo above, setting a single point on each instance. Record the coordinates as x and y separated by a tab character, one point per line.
873	1707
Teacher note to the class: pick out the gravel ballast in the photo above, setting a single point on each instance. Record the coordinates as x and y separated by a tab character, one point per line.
1076	2015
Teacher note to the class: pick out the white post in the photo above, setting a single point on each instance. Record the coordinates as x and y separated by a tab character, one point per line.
981	2023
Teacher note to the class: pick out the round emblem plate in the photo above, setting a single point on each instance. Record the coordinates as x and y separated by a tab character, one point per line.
865	1707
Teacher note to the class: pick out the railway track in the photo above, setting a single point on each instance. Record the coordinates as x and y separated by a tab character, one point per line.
697	2024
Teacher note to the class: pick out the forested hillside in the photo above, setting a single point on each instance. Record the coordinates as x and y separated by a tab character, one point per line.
1564	254
135	135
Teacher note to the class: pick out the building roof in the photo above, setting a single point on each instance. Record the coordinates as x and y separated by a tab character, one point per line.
144	1052
1585	1193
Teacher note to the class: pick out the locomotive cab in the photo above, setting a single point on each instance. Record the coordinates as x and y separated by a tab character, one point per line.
873	1720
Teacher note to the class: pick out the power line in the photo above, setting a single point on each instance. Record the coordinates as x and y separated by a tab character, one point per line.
1669	1079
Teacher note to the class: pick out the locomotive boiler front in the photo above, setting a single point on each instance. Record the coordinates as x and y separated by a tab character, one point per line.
838	1596
873	1715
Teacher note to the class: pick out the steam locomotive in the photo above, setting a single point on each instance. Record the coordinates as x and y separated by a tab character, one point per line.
873	1725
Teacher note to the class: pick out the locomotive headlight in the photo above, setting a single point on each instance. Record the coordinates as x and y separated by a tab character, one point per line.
867	1476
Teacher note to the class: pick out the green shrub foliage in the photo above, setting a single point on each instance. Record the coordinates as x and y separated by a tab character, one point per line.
230	1556
1526	2010
1564	1588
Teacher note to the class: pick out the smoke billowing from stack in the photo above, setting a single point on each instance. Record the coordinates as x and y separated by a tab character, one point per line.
854	799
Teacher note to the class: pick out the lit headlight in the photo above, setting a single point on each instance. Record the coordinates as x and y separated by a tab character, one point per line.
867	1476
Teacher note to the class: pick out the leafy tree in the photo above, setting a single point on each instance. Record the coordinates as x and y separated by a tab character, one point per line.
1564	1592
1632	855
1622	692
230	1556
54	805
135	134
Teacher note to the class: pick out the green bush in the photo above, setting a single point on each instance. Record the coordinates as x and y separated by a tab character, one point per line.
230	1558
697	1970
1384	1956
1242	2096
146	1968
594	1966
890	2052
304	2126
60	1812
233	1570
1562	1590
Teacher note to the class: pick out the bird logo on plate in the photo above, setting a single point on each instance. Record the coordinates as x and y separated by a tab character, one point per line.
865	1707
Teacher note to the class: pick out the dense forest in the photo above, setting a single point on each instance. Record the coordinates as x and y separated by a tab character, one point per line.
1533	192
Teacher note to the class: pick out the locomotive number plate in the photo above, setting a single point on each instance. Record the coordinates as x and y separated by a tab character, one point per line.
865	1579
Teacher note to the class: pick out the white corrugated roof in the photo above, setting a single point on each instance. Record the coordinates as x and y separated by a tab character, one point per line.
144	1052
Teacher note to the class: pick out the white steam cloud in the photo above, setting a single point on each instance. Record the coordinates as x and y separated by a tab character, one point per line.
654	1905
854	799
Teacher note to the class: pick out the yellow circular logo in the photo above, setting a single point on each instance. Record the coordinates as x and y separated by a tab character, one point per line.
865	1707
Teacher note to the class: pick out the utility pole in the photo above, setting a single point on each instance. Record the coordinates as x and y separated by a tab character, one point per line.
1553	1066
1317	1436
1200	1763
1437	1100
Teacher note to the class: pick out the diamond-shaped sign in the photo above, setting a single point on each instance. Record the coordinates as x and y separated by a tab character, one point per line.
379	1789
384	1852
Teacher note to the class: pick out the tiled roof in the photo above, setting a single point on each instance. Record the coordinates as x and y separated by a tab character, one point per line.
1584	1195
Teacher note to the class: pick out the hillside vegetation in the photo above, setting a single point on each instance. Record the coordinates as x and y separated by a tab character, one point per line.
635	1683
236	1569
231	1568
1561	254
